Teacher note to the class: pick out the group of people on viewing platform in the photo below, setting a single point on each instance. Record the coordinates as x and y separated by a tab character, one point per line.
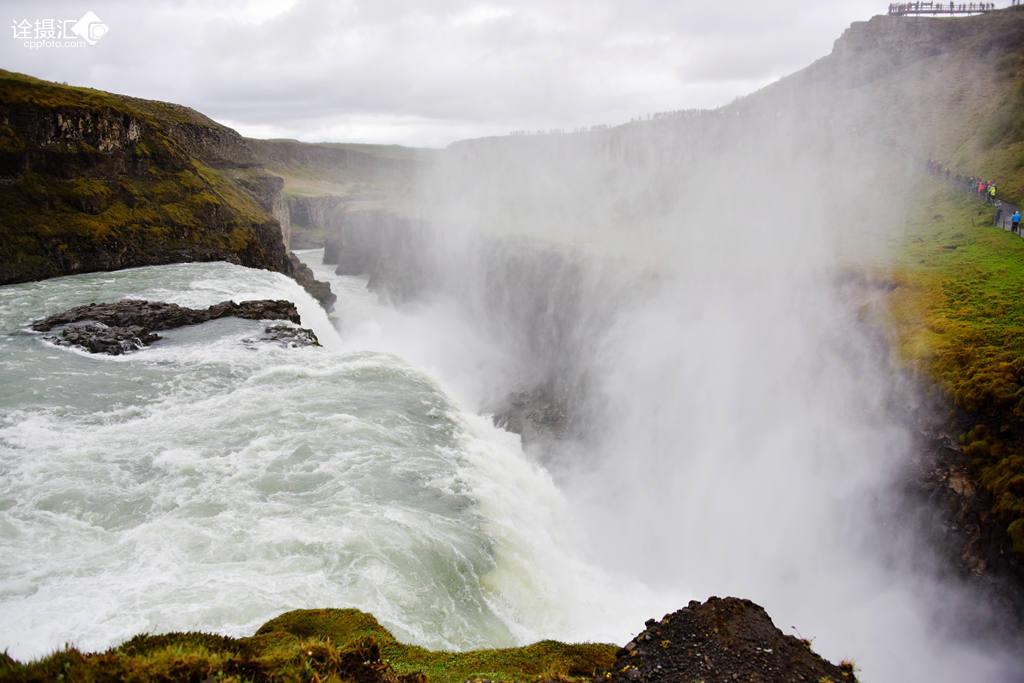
983	189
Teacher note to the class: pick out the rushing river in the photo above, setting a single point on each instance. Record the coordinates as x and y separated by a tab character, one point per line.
207	483
211	483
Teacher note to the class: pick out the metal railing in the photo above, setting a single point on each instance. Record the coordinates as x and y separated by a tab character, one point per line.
1002	209
939	8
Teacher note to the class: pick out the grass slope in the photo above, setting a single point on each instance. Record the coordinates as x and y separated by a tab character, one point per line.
310	645
958	312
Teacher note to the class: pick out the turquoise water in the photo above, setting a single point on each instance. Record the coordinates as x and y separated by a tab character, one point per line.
204	483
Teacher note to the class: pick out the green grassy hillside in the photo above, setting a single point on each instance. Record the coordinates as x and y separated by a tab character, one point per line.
344	169
958	315
311	645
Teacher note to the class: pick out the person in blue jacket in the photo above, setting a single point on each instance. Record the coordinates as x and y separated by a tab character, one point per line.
1015	222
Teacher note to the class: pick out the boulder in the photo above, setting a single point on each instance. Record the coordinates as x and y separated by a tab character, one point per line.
99	338
131	324
288	337
723	639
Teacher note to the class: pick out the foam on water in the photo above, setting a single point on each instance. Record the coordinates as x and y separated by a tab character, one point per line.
206	484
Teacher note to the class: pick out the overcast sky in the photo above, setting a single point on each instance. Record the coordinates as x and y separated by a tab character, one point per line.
427	73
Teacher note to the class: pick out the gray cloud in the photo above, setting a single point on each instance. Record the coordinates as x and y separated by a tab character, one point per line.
429	73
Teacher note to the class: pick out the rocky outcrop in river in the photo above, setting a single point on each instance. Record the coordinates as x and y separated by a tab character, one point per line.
131	324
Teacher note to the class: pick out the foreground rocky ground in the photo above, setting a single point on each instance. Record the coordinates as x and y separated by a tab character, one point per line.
131	324
723	639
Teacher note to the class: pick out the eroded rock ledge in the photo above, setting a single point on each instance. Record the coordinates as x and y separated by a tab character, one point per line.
131	324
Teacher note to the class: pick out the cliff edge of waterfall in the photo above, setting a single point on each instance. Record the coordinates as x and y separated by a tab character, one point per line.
722	639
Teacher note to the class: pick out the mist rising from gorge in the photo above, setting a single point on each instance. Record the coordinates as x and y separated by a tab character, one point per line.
698	291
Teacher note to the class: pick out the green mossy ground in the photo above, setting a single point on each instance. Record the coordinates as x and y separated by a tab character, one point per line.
77	209
44	220
958	309
310	645
18	88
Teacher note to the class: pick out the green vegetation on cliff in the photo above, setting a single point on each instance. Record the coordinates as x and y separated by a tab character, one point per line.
958	311
356	172
958	305
95	181
310	645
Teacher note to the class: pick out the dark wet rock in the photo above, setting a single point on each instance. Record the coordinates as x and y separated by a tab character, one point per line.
99	338
303	274
943	503
289	337
386	247
159	315
723	639
534	415
131	324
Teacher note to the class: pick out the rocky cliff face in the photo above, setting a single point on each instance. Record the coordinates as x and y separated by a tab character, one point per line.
94	181
268	191
314	211
198	135
385	246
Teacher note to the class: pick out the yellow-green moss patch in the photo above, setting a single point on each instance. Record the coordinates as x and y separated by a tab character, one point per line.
310	645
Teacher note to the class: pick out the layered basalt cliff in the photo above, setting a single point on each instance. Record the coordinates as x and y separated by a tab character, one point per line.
388	248
268	191
95	181
313	218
